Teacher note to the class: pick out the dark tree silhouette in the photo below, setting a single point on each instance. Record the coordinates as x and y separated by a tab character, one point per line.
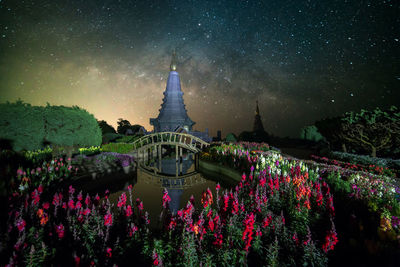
105	127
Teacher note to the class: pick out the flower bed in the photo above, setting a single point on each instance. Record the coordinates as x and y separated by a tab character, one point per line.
277	214
357	167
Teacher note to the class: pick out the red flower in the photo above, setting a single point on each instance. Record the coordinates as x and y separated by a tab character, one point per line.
166	199
86	211
248	232
132	229
218	187
330	241
21	224
87	200
211	225
139	204
78	205
40	188
46	205
60	231
71	204
77	261
108	219
128	211
122	200
35	197
109	254
71	190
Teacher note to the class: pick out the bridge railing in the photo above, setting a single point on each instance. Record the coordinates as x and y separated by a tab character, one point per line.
169	138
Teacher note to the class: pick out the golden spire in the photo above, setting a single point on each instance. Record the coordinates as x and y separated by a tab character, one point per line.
172	67
257	110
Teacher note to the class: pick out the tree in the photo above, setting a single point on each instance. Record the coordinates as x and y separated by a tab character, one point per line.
310	133
123	125
105	127
332	130
375	130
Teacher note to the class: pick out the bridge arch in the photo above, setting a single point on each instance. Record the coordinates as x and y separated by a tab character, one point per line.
147	146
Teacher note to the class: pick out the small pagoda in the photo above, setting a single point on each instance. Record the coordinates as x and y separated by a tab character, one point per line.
173	114
257	126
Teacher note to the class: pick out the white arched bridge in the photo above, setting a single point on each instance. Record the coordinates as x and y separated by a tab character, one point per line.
150	147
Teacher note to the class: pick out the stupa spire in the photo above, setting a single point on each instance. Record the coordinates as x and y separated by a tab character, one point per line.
257	110
172	67
258	126
173	113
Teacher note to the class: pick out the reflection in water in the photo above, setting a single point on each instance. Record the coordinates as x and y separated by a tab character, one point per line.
149	188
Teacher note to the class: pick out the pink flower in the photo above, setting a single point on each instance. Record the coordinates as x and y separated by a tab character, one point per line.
80	196
218	187
87	200
108	219
128	211
139	204
109	254
166	199
21	224
60	231
122	201
71	204
132	229
46	205
71	189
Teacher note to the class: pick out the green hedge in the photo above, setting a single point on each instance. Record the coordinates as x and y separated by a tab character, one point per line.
33	127
121	148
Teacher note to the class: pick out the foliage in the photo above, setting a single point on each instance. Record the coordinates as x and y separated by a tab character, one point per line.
105	127
65	126
110	137
231	137
38	156
311	133
121	148
23	125
90	150
128	139
352	162
373	130
33	127
331	129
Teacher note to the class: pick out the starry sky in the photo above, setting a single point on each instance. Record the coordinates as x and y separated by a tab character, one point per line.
302	60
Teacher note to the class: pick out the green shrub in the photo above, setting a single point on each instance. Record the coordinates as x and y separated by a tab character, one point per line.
128	139
22	124
110	137
65	126
121	148
33	127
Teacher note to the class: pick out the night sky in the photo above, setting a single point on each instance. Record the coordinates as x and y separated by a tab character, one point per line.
302	60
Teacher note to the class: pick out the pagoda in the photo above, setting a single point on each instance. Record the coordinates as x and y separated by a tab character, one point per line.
173	114
258	126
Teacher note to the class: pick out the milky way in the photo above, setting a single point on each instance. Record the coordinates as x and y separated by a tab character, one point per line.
302	60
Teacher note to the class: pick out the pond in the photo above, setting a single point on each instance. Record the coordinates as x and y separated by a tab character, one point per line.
149	187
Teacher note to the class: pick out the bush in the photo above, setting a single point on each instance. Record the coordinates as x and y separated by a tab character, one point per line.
23	125
30	128
121	148
110	137
128	139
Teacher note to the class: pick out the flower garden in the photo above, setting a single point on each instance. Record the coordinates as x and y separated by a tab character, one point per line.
283	212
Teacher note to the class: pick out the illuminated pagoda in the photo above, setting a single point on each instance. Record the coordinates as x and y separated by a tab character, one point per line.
173	114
